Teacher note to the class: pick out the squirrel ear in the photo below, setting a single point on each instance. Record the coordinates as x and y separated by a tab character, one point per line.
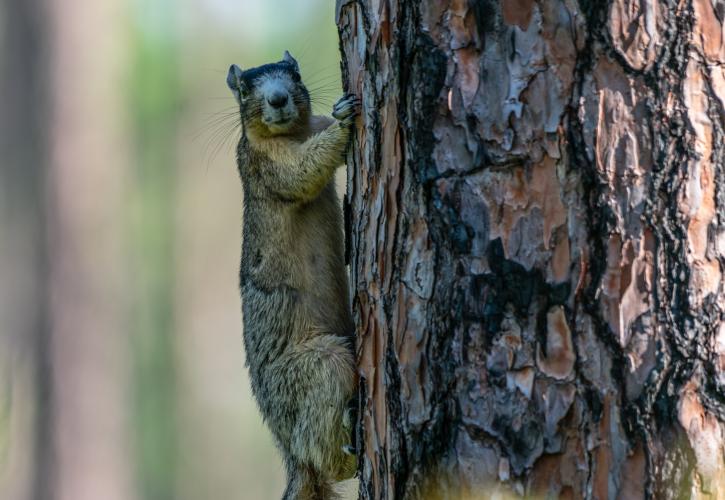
290	60
234	81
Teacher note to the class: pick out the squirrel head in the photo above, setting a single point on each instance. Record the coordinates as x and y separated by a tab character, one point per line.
272	98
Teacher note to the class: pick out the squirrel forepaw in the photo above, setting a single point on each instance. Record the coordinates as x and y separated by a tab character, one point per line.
346	109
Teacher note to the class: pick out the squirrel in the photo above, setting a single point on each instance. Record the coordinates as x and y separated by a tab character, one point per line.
298	329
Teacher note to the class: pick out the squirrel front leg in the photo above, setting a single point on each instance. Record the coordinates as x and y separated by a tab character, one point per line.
320	156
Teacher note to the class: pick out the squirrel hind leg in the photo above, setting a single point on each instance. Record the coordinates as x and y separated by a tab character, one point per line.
305	483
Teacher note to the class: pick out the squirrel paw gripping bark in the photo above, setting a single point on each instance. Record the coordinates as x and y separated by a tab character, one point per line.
346	109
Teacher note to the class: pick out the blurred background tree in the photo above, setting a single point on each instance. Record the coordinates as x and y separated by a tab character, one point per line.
121	365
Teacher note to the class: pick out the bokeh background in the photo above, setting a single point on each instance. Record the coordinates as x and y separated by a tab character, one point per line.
121	363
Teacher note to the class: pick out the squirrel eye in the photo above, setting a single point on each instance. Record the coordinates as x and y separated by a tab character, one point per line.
295	77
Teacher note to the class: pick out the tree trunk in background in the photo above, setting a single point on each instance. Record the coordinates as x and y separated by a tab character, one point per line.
538	243
88	271
26	459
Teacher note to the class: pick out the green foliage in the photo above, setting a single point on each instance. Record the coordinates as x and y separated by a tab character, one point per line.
154	102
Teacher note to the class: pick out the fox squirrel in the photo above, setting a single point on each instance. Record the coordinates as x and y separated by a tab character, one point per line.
298	330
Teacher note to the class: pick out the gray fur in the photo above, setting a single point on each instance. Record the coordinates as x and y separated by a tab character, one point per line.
298	332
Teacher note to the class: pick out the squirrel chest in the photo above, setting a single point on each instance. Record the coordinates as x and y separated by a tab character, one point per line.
290	262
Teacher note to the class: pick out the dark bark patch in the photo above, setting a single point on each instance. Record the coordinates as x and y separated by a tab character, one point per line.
487	15
519	433
422	77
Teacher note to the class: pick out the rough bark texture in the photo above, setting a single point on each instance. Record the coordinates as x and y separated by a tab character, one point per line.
538	242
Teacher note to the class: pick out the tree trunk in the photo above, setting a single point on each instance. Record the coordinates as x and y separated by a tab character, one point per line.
537	246
86	204
26	392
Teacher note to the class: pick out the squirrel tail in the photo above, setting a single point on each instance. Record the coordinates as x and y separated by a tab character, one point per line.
306	483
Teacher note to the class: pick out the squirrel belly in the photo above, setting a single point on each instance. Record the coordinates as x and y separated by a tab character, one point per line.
298	331
298	334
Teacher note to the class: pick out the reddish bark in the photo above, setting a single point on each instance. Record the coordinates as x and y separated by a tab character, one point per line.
538	245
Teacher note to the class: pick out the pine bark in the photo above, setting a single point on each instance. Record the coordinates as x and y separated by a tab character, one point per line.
537	230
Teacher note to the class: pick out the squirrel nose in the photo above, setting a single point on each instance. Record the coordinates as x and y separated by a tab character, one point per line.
277	100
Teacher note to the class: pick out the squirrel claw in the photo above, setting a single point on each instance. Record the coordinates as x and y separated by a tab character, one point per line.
348	449
347	418
346	109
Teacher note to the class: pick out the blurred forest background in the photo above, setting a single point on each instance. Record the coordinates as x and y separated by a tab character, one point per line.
121	365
